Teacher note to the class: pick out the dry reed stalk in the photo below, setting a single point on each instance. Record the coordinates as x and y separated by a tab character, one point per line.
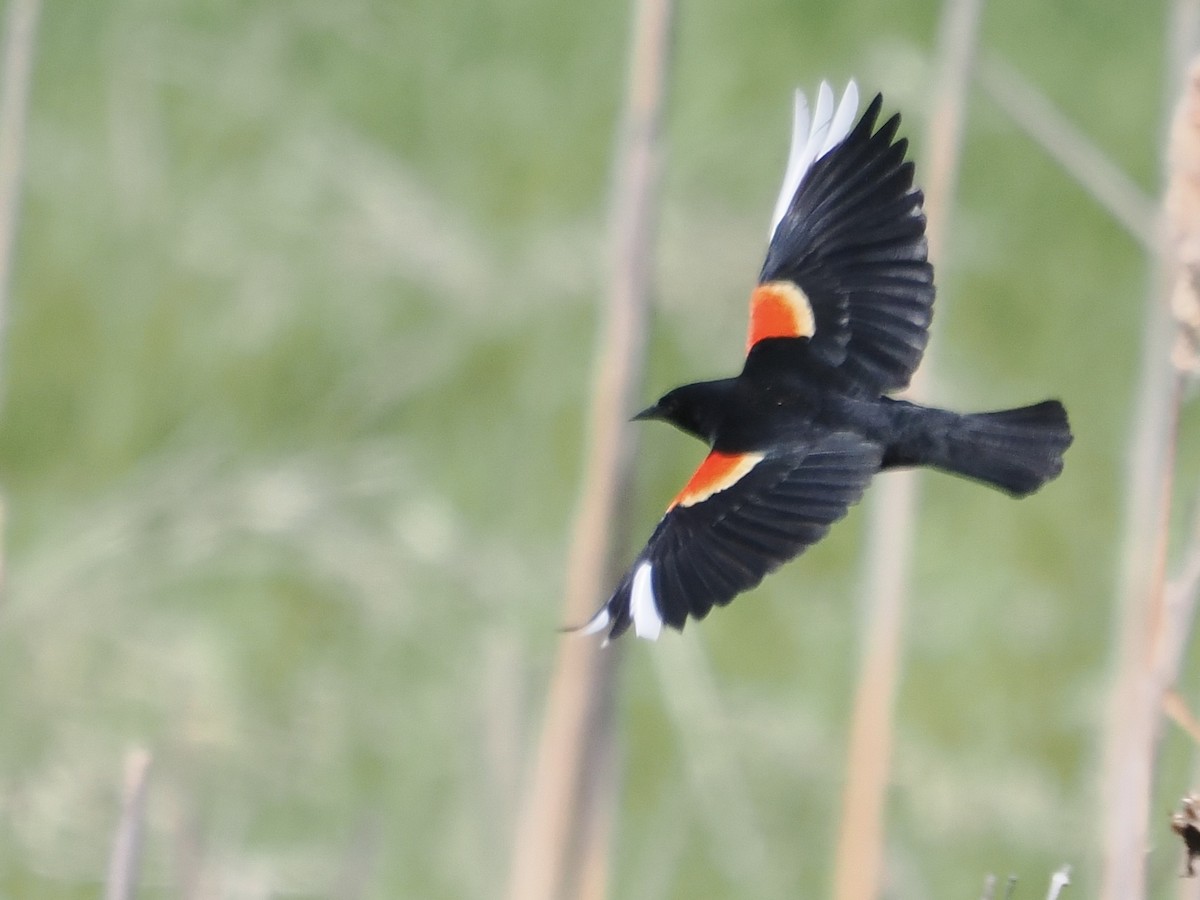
860	851
1177	710
1183	29
126	857
1155	623
1107	183
561	838
20	31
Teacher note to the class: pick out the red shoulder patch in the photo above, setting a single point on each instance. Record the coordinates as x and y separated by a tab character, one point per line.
779	309
718	472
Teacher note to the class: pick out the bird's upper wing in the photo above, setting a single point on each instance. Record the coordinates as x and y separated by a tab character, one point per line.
739	517
847	276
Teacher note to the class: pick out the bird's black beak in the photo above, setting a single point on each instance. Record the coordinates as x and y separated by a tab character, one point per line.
650	412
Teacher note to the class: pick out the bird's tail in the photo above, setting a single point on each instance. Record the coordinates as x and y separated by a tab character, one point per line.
1014	450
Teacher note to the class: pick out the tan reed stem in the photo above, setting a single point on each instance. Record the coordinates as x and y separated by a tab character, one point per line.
858	870
563	829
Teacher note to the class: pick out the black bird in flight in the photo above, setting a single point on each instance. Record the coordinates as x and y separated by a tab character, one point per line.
839	320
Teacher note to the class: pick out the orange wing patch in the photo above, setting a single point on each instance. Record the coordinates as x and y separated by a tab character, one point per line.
779	309
718	472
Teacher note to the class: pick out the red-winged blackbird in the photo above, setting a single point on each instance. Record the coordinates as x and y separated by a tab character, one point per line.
839	319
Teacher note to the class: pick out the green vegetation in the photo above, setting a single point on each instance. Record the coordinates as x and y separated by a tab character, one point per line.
299	341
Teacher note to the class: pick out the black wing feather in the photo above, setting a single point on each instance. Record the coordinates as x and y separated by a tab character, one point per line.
706	554
853	239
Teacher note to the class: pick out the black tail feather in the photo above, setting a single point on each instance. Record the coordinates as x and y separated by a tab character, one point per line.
1014	450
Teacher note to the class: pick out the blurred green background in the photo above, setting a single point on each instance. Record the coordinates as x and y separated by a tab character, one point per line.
300	341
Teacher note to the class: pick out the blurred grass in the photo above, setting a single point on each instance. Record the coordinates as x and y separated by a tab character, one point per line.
300	330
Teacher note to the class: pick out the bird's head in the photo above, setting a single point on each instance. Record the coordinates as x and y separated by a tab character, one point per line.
696	409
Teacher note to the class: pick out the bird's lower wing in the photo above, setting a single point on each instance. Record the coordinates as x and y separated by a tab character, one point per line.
741	516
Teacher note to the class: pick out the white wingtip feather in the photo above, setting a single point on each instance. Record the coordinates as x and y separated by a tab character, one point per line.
598	622
794	170
813	138
647	623
843	119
